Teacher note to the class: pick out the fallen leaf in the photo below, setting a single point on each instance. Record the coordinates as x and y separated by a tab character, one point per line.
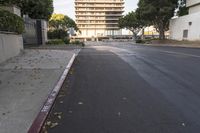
119	113
183	124
80	103
48	123
70	111
53	125
58	113
59	117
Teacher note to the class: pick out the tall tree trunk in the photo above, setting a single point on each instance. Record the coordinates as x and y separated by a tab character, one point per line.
161	32
142	37
134	35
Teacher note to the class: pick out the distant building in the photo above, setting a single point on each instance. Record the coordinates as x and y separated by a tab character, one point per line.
187	27
98	18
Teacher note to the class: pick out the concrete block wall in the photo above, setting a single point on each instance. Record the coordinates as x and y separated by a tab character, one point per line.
189	22
10	45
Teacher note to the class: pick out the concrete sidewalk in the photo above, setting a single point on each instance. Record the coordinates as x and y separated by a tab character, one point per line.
25	82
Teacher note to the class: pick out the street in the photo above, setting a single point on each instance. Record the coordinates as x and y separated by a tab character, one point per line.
129	89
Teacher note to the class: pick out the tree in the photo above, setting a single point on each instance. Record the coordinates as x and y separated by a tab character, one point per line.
182	9
59	25
36	9
158	13
60	21
131	22
40	9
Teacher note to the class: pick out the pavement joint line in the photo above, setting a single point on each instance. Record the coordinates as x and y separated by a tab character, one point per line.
42	115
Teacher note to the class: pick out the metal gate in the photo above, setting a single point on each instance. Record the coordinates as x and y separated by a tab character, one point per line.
35	31
30	34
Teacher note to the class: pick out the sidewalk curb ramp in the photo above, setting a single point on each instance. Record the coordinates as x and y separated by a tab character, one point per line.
46	108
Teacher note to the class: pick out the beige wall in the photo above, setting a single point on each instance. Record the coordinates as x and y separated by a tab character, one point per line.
194	9
10	46
192	2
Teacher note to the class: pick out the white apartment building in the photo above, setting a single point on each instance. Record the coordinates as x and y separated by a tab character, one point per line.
187	27
98	18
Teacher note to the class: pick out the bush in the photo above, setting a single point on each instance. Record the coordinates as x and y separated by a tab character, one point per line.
57	34
139	41
10	22
66	40
55	42
82	44
78	43
10	2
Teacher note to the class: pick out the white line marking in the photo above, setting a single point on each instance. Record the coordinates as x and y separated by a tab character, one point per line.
179	53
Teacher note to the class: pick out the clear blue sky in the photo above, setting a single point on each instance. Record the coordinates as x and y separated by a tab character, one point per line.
67	6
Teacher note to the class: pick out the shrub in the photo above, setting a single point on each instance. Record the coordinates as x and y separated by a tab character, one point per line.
57	34
55	42
10	22
139	41
82	44
76	42
66	40
11	2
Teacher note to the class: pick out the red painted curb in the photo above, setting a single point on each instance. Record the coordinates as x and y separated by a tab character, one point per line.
42	115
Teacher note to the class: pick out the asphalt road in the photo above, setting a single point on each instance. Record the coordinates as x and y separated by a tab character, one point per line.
130	89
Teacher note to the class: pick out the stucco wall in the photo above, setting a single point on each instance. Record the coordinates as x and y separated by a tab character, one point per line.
192	2
10	46
194	9
189	22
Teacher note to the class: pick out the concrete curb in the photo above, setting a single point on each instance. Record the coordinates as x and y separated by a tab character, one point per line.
42	115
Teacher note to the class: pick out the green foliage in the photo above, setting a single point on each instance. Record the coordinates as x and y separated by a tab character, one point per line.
58	25
77	42
11	22
157	12
131	22
36	9
183	11
55	42
57	34
60	21
66	40
11	2
139	41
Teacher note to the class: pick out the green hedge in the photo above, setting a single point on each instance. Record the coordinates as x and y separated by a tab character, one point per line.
8	2
10	22
57	34
55	42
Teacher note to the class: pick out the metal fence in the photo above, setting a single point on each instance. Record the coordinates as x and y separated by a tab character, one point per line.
35	31
30	34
